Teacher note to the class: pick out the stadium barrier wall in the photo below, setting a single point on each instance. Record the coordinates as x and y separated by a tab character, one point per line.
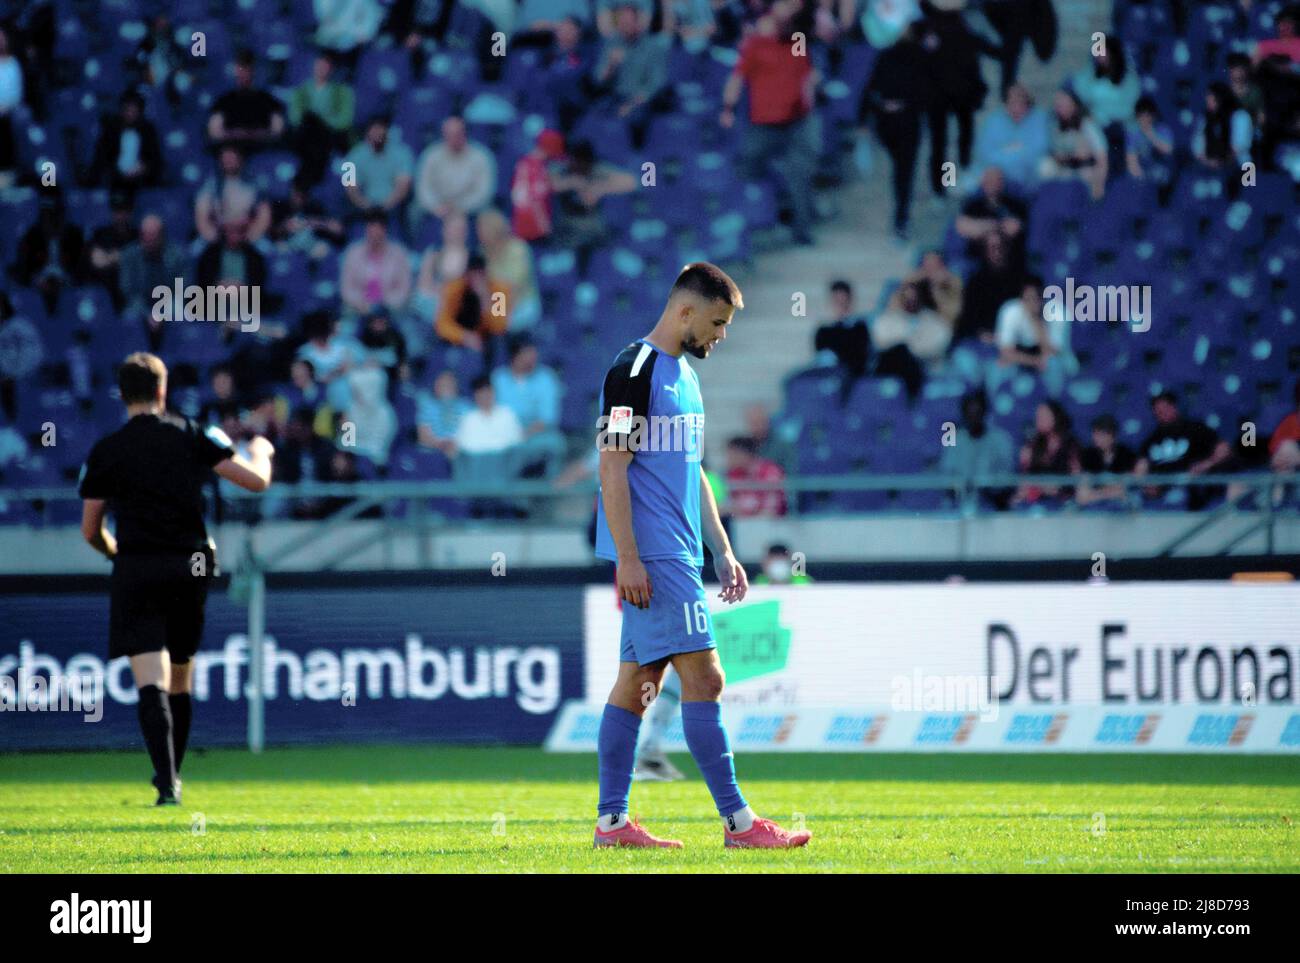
449	657
347	660
1157	666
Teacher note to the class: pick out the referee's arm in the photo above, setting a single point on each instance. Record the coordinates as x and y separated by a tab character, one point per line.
93	529
253	472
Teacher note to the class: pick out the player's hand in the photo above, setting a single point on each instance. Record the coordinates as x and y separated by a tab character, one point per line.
735	583
634	583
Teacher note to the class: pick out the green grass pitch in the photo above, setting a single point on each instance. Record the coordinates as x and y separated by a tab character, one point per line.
424	809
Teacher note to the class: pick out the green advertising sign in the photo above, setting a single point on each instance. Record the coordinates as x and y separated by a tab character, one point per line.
751	640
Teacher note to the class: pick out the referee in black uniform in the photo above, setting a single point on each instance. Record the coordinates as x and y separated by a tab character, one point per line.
150	473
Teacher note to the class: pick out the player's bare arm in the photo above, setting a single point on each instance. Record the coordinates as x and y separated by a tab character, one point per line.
735	583
633	581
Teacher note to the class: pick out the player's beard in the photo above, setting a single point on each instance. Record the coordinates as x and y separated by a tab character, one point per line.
695	348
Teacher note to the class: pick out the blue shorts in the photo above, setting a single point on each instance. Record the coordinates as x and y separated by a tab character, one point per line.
677	620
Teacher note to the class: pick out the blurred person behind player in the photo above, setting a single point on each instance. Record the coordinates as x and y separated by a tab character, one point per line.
655	503
150	474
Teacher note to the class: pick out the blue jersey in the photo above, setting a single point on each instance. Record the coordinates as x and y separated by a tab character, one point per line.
651	405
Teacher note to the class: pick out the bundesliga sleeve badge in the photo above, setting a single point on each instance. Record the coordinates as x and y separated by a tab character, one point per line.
620	420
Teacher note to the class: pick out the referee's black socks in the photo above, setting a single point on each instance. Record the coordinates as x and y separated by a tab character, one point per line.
156	724
182	707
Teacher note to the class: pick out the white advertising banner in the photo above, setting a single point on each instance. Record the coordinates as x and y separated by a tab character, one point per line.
1151	665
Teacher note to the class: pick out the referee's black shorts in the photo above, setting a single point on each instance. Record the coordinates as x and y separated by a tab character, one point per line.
157	602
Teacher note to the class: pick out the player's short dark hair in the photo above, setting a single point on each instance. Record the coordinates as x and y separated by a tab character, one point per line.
709	282
843	286
482	381
375	215
744	443
1165	395
1146	104
139	375
1034	281
1106	423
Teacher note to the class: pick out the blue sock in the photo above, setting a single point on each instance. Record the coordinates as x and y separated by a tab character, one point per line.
616	750
708	742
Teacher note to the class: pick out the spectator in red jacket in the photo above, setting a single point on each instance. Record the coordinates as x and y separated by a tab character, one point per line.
744	464
1284	446
783	130
530	188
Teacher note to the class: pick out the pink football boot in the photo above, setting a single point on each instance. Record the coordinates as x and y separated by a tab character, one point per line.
765	834
632	833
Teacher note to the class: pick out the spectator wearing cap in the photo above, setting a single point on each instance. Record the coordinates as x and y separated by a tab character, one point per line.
375	270
510	264
1106	455
49	254
104	253
633	69
382	167
532	391
321	110
473	311
246	114
783	130
454	175
745	467
530	187
228	196
127	154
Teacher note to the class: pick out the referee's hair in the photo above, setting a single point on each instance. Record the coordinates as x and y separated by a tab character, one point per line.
139	376
709	282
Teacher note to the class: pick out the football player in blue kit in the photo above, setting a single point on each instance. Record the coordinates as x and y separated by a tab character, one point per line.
656	509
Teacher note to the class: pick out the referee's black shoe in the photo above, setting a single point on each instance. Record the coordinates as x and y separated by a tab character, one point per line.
171	796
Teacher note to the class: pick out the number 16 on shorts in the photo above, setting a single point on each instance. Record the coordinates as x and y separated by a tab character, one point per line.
697	618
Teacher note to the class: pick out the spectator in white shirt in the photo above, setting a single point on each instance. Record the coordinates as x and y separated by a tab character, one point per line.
1034	335
488	442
